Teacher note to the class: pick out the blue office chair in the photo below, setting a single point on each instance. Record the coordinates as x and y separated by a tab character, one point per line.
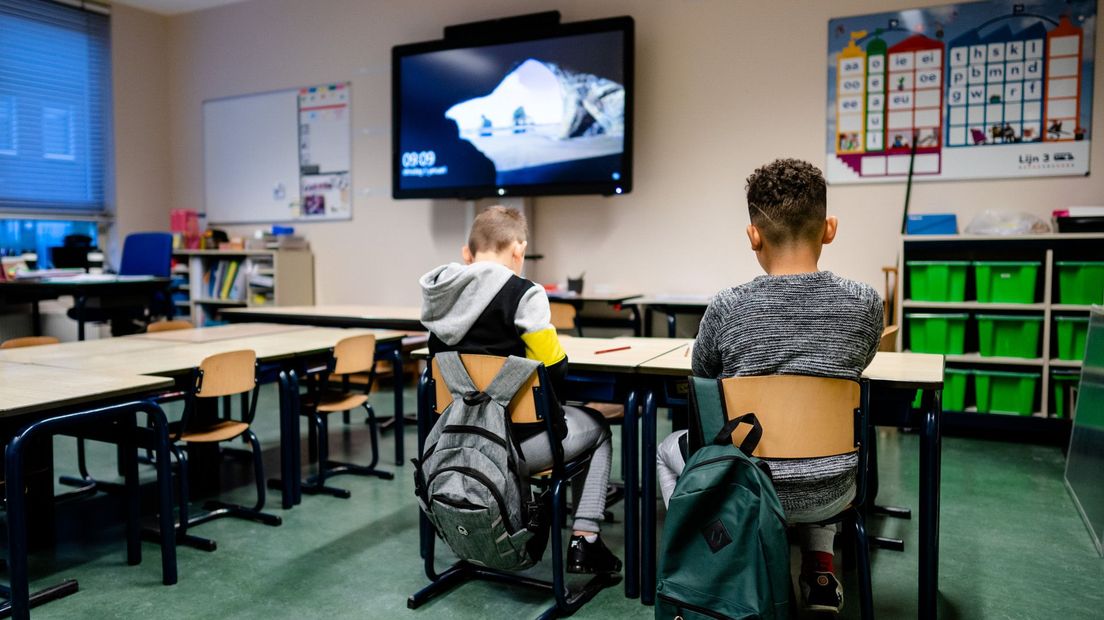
144	254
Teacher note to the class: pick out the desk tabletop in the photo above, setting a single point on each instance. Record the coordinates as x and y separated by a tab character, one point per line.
104	346
221	332
688	301
26	388
389	317
907	370
628	354
332	311
173	358
616	297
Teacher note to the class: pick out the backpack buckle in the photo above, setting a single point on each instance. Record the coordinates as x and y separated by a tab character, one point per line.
476	398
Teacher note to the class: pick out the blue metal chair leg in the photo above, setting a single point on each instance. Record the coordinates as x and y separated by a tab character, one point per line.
866	592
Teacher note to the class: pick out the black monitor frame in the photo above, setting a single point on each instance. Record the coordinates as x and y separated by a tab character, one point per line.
483	37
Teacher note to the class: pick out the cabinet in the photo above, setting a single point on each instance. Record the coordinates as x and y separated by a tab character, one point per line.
1041	308
219	279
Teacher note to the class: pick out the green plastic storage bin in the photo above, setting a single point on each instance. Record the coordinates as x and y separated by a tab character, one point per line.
954	390
1002	335
1001	391
937	333
1080	282
1011	282
1071	331
937	280
1064	386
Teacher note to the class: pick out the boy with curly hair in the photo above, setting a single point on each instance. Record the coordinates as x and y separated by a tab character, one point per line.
796	320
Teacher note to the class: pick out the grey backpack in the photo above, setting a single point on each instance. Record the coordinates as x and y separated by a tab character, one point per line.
472	481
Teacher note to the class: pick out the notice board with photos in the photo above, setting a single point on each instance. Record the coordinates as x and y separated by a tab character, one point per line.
278	156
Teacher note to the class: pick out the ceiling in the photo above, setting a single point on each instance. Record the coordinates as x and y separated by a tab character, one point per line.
174	7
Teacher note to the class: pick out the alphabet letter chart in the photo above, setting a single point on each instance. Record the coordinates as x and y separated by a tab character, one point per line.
981	90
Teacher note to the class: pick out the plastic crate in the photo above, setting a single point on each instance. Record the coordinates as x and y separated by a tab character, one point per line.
1011	282
1071	332
1002	335
935	280
1000	391
1080	282
954	390
937	333
1064	386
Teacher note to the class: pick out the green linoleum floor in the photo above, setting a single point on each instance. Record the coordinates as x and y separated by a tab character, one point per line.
1012	546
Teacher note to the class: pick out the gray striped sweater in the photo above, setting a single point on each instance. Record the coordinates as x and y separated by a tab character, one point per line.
804	324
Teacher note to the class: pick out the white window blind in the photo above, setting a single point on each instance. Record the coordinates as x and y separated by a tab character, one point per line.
55	108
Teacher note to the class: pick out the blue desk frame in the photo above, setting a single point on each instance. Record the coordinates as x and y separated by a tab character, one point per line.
155	437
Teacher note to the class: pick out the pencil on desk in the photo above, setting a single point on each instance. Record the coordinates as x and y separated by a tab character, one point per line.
612	350
686	351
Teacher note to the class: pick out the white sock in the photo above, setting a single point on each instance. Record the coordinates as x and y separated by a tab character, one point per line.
591	538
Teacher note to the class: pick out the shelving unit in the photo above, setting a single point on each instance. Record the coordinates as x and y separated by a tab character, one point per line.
1046	249
291	272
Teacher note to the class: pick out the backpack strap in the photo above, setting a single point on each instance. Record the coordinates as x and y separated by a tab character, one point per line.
456	377
708	407
515	372
751	440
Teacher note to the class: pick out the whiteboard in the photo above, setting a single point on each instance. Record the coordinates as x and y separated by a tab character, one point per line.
251	162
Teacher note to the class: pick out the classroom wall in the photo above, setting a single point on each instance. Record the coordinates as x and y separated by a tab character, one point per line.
139	57
722	86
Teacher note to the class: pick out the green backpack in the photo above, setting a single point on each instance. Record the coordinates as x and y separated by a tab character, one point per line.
724	552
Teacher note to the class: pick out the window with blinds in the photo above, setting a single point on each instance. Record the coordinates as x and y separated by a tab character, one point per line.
55	108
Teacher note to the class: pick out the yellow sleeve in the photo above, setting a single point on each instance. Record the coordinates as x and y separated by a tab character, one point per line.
544	346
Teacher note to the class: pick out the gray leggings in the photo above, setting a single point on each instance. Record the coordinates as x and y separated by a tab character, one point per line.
586	432
669	466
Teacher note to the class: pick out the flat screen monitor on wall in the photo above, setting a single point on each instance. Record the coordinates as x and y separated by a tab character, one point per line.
515	112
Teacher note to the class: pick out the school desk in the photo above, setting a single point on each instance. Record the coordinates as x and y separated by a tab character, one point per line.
899	373
383	317
41	400
671	306
283	356
81	288
604	370
616	300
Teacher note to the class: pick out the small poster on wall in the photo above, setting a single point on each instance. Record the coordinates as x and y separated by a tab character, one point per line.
324	151
978	90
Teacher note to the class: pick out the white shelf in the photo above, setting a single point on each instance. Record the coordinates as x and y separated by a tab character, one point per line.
1010	238
968	305
1057	363
1072	307
975	358
221	302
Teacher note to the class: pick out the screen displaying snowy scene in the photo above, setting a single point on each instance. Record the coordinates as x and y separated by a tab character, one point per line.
535	113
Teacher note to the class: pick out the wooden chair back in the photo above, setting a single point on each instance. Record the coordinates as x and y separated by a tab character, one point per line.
889	338
482	369
28	341
226	374
355	354
563	316
168	326
802	417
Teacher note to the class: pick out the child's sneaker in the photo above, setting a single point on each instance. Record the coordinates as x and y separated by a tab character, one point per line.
820	592
591	557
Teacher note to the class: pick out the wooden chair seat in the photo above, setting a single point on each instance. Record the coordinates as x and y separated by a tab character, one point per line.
28	341
341	401
222	431
609	411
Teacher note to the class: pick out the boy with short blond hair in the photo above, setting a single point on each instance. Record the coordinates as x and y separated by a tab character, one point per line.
484	306
795	320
